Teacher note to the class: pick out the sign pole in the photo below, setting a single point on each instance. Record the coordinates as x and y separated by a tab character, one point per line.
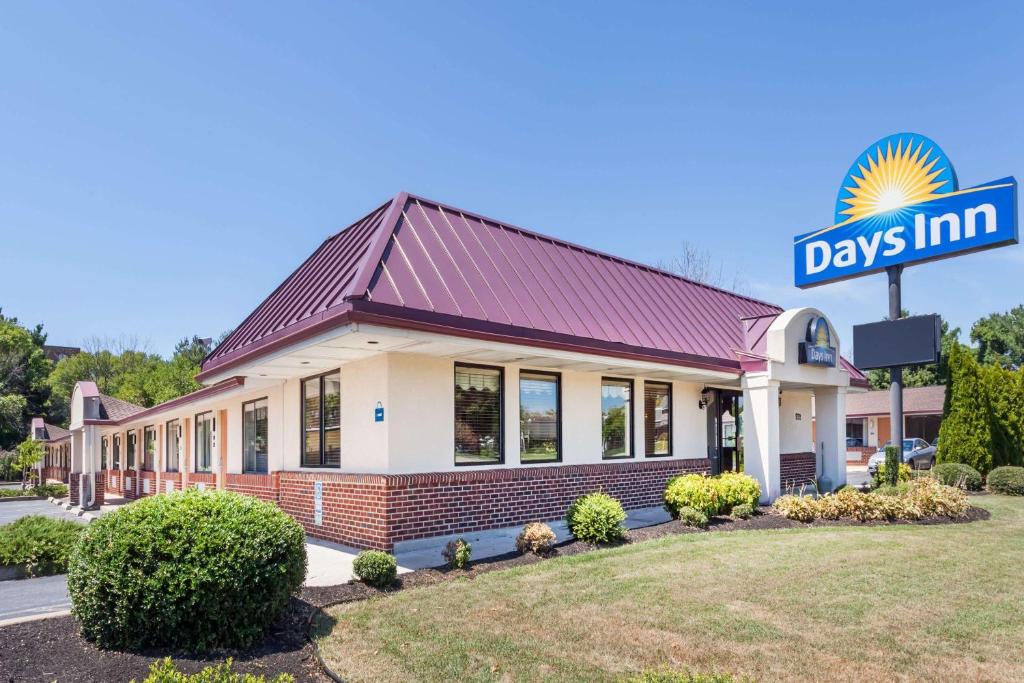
896	373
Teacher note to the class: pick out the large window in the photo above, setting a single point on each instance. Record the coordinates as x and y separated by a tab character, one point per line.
206	423
116	442
130	449
254	437
172	436
855	432
478	401
148	448
104	447
616	418
540	419
657	419
321	421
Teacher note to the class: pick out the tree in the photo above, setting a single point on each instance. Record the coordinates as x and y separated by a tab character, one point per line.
23	371
696	263
1000	338
922	375
966	434
29	454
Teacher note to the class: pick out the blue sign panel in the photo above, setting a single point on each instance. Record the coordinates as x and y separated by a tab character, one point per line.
378	413
817	349
900	204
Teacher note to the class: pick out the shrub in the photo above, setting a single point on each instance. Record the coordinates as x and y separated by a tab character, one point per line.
1007	480
596	518
376	568
691	517
194	569
800	508
164	671
695	491
51	490
923	497
735	488
958	475
536	538
743	511
889	472
42	544
456	553
889	490
881	477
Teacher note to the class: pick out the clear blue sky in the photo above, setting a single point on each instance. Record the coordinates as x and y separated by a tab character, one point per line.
163	168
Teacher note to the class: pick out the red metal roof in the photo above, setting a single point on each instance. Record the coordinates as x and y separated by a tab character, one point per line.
417	263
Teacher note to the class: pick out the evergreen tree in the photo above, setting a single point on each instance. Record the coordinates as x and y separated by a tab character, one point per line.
966	432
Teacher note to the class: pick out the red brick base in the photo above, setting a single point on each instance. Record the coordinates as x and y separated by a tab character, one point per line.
865	455
262	486
100	485
797	469
377	511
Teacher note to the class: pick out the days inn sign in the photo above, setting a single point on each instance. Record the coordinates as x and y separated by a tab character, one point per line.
900	204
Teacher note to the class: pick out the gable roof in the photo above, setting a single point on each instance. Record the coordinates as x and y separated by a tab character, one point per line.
413	262
916	401
51	432
115	409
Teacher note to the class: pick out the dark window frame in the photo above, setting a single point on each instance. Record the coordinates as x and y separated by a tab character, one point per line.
631	416
323	430
501	413
131	440
104	452
146	431
167	451
115	443
671	419
195	439
244	404
558	413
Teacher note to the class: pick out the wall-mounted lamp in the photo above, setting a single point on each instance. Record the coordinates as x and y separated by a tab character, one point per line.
706	395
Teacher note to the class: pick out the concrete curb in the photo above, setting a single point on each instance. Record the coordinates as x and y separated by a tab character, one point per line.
34	617
17	499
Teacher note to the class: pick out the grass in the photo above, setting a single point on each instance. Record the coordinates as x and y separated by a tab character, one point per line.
837	603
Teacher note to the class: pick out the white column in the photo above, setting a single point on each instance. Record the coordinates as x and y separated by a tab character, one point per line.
761	434
830	446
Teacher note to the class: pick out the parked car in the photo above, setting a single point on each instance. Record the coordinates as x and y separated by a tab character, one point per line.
917	453
854	442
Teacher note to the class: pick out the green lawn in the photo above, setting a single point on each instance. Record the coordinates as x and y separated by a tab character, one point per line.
938	603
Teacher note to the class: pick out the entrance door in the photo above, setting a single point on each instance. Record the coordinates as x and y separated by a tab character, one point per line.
730	431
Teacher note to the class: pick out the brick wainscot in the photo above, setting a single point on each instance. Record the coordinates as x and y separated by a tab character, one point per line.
379	510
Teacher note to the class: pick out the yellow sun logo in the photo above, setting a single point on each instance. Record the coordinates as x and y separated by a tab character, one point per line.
893	179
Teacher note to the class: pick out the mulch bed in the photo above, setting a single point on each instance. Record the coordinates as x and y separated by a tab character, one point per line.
52	650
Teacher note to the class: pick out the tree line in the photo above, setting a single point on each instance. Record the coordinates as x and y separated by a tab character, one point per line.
31	385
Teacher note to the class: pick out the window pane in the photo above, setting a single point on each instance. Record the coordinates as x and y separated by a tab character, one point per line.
616	418
477	415
657	418
538	417
311	422
149	450
204	442
131	450
332	447
117	452
332	401
103	453
171	441
254	437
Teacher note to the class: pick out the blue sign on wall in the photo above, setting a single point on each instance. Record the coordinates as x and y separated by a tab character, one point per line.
900	203
817	349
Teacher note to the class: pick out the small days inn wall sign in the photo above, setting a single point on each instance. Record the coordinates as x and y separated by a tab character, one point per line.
900	203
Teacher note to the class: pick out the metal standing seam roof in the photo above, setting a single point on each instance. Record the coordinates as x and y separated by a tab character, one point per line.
416	262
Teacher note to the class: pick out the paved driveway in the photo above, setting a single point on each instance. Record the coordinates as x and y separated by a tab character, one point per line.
13	509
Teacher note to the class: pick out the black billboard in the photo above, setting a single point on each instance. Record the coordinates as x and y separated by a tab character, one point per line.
897	343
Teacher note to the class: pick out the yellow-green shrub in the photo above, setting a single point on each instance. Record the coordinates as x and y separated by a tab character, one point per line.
923	497
735	488
692	490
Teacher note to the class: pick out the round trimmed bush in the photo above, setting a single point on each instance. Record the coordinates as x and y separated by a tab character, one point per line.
596	518
691	517
736	488
692	490
742	511
376	568
194	569
1007	480
536	538
957	474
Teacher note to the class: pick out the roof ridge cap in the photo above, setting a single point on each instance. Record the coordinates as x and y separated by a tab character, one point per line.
590	250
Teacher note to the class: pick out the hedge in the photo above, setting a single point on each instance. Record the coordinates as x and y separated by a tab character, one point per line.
193	569
1007	480
41	544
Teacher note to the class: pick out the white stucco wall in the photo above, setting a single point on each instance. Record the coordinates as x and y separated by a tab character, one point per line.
795	434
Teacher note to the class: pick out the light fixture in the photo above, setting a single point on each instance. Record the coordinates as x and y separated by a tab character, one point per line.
372	341
706	395
303	362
